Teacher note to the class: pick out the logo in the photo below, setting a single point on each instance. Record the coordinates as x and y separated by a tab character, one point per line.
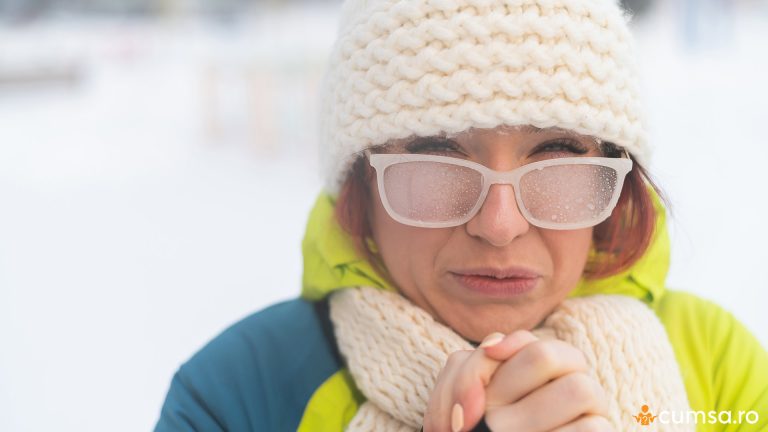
644	417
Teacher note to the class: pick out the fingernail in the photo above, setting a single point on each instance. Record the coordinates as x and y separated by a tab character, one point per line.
457	418
492	339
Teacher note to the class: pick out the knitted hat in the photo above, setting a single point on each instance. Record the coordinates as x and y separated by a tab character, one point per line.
403	68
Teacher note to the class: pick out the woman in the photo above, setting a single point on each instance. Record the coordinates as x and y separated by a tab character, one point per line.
488	253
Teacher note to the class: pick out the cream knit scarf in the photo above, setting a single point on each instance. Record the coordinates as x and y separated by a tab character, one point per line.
394	351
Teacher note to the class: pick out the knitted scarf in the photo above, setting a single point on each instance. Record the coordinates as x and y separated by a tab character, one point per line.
394	351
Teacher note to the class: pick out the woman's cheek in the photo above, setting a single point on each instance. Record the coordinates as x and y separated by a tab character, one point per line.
569	250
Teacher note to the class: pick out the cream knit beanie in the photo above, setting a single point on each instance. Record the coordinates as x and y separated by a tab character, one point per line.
401	68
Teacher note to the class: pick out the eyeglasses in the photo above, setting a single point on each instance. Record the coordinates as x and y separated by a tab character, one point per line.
432	191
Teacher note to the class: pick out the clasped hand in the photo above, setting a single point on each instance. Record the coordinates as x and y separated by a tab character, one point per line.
519	383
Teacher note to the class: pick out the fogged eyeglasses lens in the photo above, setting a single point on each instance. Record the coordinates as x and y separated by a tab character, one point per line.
431	191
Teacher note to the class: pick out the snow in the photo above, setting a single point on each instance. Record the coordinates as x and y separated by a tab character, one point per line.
146	207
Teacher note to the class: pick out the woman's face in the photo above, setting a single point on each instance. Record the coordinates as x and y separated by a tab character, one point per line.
426	263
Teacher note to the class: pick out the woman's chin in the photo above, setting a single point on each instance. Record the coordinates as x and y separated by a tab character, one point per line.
474	324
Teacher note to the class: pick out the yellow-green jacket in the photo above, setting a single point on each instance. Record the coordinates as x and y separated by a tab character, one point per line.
279	369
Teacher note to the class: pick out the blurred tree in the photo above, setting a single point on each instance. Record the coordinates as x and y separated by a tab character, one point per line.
637	7
30	9
23	10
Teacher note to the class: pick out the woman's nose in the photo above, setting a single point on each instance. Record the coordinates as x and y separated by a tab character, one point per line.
499	220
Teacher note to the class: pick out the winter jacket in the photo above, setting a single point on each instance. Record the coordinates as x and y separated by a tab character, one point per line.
279	369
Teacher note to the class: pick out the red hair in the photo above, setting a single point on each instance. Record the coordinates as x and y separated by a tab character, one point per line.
619	241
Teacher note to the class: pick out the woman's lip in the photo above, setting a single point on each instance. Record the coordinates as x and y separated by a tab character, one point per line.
505	272
497	287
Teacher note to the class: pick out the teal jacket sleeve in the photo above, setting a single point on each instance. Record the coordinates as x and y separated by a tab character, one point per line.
185	409
258	375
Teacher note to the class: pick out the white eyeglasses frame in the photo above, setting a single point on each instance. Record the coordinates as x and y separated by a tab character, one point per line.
381	161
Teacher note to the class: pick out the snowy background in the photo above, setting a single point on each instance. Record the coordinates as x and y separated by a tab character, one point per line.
156	175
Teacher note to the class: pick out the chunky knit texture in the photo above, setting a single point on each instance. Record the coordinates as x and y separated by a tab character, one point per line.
395	350
405	68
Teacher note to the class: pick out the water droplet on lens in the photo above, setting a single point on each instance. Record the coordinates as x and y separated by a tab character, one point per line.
591	206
